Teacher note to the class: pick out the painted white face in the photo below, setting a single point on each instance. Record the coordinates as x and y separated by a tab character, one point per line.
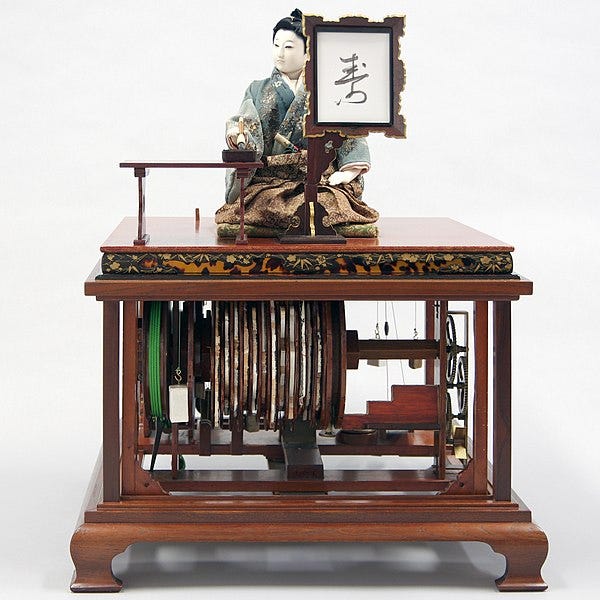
288	52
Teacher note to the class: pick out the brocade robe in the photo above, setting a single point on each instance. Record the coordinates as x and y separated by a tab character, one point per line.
274	192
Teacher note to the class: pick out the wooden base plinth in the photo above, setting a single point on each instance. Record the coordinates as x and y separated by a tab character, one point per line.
109	528
94	545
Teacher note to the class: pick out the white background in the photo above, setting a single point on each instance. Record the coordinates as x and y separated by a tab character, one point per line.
503	134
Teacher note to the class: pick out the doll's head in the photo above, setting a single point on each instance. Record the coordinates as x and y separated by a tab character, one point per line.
289	45
291	23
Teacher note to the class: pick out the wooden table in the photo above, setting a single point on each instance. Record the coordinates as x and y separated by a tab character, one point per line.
432	260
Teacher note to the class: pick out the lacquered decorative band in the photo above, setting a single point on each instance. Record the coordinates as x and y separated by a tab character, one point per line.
330	263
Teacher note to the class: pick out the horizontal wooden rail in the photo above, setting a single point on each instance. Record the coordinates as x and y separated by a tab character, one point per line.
397	349
275	480
243	170
191	165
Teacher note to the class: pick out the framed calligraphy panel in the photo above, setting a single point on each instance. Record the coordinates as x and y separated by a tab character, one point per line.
354	76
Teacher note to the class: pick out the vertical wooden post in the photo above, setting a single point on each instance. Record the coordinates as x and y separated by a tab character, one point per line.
308	224
129	426
111	449
441	314
142	236
236	426
502	401
429	335
480	403
174	449
190	311
242	174
321	151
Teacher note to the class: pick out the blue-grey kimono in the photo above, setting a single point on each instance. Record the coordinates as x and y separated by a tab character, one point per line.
274	192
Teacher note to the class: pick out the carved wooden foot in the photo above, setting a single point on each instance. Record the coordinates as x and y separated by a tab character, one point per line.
525	548
93	546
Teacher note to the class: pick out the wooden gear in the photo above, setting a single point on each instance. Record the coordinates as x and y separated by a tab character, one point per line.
261	339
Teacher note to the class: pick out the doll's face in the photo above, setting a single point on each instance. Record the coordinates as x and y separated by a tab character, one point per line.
288	52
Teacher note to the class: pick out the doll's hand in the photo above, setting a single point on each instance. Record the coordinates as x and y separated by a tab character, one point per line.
345	176
232	138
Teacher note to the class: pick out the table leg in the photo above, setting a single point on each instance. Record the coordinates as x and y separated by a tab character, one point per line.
111	449
129	395
502	401
480	402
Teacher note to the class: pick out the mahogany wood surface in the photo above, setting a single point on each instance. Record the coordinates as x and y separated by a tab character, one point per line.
316	508
110	410
430	335
410	404
399	443
94	545
396	234
395	349
300	463
129	384
502	400
480	405
440	380
278	480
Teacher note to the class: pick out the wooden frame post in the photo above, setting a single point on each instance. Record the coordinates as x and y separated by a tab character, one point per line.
480	403
142	237
429	335
441	314
111	449
129	393
502	401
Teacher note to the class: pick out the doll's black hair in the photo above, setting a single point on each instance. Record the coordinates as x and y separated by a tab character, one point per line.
291	23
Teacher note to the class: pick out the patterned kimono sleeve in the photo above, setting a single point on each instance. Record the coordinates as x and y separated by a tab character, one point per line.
252	124
254	132
354	151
